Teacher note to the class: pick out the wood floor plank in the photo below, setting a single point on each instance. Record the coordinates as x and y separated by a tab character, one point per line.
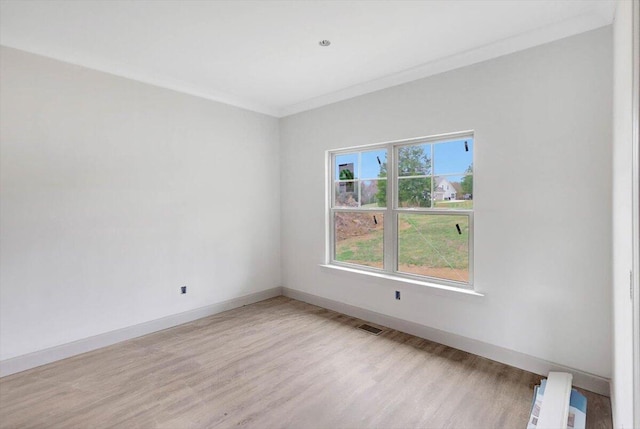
279	363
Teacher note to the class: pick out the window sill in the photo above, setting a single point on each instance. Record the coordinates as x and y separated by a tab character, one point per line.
435	286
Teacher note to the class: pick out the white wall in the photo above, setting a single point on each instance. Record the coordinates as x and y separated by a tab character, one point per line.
115	193
622	377
542	119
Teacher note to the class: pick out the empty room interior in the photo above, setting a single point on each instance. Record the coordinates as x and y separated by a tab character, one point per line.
319	214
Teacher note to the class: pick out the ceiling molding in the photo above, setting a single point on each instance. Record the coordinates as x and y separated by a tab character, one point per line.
130	72
598	17
560	30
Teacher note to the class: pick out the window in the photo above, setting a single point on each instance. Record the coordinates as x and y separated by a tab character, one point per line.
404	208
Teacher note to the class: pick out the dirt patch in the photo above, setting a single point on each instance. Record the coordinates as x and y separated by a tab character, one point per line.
357	224
459	275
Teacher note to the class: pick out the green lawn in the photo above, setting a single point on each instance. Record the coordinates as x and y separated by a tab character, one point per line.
433	241
363	250
458	204
427	244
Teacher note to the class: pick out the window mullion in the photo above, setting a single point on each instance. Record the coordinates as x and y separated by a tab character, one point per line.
470	256
389	219
330	238
432	195
358	176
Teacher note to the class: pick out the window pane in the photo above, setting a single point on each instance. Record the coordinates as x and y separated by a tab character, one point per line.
434	246
359	238
373	193
453	157
414	192
346	167
374	164
346	194
453	192
414	160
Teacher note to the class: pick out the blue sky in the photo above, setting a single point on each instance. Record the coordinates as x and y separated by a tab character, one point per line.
448	158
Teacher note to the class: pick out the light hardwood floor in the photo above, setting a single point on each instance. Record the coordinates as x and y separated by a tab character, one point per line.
279	363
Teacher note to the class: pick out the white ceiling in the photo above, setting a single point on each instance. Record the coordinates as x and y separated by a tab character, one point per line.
264	55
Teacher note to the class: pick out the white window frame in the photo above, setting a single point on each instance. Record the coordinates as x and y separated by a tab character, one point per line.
391	212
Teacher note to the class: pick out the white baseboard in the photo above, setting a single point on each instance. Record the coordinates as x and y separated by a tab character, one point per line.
42	357
613	405
533	364
513	358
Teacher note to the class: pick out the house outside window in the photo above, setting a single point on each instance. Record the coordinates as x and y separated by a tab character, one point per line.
404	208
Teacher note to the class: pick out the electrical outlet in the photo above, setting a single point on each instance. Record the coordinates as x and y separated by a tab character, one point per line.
183	290
398	295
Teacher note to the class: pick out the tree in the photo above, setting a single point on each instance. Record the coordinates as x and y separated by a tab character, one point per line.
382	186
369	191
415	192
467	181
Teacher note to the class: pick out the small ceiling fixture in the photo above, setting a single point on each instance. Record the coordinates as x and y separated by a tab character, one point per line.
324	43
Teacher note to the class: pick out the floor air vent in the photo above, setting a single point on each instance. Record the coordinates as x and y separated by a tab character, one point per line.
370	329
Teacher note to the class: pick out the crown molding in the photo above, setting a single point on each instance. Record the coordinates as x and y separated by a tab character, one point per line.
156	79
601	17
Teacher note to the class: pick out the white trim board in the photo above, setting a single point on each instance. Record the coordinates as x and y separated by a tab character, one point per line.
635	211
554	410
43	357
513	358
